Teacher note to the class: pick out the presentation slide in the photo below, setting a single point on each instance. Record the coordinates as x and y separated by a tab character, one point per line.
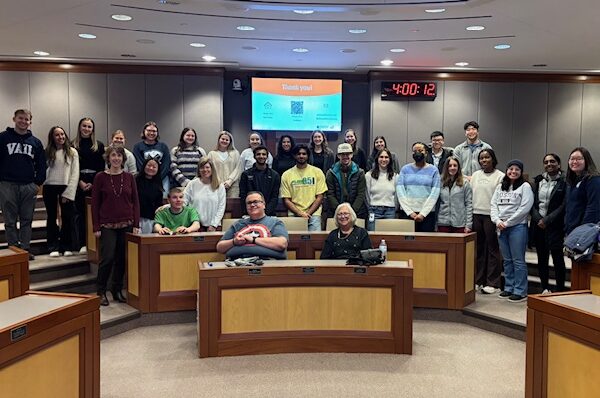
296	104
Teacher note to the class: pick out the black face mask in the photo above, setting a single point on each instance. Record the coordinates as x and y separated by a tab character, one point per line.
418	156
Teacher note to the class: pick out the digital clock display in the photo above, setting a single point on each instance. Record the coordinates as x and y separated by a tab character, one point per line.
403	90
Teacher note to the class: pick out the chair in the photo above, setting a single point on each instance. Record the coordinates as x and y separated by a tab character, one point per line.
331	223
394	225
295	223
228	222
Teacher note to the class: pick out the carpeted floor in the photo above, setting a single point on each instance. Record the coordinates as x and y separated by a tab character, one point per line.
449	360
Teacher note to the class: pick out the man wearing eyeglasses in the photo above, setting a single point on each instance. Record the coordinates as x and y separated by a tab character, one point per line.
437	154
258	235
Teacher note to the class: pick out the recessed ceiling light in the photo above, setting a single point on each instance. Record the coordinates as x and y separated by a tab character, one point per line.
245	27
41	53
502	46
475	27
415	30
435	10
198	45
145	41
87	36
347	50
209	58
397	50
168	2
249	48
357	31
121	17
386	62
300	50
304	12
128	55
539	65
461	64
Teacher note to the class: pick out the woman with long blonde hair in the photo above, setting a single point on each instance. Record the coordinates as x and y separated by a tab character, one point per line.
207	195
226	162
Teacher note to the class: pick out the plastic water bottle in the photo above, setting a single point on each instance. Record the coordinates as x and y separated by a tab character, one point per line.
383	248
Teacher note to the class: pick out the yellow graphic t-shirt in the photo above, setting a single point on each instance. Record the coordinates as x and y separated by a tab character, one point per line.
301	186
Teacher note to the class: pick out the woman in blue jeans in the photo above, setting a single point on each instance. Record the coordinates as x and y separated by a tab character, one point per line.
510	205
381	189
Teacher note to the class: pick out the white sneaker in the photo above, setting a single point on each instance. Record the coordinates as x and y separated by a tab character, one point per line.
54	254
477	288
68	253
490	290
83	250
546	291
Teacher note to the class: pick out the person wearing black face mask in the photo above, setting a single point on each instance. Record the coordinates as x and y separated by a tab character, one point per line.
418	190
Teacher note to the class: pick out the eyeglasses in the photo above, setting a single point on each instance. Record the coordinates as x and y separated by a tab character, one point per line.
254	203
576	159
343	215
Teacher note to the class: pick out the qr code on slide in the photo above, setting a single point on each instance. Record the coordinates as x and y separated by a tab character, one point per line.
297	107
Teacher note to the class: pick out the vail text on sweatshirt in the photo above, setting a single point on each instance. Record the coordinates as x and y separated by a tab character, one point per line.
22	158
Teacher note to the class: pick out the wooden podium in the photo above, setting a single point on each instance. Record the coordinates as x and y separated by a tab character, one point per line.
586	275
50	346
304	306
563	345
14	273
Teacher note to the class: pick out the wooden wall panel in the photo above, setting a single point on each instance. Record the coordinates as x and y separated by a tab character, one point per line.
49	98
87	98
127	106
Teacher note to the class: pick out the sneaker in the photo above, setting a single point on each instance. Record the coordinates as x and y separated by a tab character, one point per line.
546	291
478	288
31	257
83	250
68	253
54	254
504	294
490	290
515	298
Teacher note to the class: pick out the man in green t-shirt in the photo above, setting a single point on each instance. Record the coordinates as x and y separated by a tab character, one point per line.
176	219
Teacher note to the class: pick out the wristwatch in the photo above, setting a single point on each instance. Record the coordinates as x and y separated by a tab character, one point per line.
254	240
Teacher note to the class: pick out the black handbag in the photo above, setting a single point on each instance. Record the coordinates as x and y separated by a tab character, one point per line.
367	257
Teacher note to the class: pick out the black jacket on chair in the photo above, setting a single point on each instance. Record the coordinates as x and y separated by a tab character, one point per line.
555	216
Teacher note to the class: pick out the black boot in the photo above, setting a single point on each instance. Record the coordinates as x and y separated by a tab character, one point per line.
118	296
103	298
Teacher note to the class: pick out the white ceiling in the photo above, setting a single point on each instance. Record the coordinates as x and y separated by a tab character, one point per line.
561	34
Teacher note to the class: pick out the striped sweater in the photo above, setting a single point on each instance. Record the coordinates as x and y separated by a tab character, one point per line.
184	164
418	189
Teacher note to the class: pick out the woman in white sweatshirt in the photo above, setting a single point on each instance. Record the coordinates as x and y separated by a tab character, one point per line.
205	194
510	206
62	176
381	189
226	161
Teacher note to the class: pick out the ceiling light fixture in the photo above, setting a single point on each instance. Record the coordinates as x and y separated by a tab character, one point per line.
41	53
304	12
300	50
475	28
245	27
145	41
249	48
461	63
121	17
128	55
502	46
397	50
198	45
209	58
357	31
386	62
435	10
347	50
87	36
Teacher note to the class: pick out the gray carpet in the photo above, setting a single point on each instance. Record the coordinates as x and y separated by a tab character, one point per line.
449	360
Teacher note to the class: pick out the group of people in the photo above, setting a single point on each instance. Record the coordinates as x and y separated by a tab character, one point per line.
443	189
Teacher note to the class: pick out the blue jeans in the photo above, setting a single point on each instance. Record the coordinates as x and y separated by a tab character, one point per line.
314	223
513	242
379	212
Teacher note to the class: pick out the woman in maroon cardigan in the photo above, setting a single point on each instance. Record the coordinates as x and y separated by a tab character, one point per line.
115	211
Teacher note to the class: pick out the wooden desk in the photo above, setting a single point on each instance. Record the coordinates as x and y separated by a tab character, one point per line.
586	275
563	345
162	269
304	306
50	346
14	273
